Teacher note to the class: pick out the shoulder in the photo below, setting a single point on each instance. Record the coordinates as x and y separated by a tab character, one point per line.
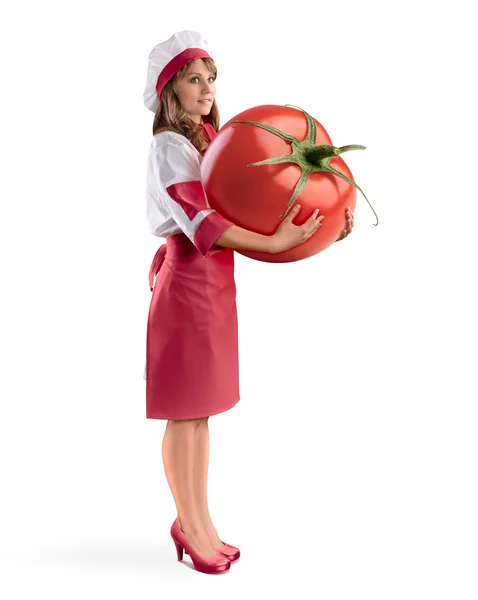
172	143
166	136
172	156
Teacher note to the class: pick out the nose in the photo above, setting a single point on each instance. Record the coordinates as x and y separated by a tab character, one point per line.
207	88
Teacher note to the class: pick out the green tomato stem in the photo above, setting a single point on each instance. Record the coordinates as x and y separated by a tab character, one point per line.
310	157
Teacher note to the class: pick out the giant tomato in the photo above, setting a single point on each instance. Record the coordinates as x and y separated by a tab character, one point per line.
265	159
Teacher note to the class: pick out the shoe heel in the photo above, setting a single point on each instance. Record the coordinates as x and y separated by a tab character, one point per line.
179	550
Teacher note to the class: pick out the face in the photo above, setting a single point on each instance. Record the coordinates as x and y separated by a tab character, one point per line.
196	90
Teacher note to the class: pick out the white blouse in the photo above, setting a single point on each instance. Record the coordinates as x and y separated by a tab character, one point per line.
175	197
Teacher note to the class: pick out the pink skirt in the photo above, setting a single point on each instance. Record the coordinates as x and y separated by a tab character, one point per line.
192	366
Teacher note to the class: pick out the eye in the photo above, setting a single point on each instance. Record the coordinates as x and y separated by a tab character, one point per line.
193	80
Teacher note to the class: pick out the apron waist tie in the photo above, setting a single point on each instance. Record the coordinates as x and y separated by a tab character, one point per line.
156	264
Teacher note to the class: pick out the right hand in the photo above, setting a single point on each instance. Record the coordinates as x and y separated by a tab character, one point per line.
288	235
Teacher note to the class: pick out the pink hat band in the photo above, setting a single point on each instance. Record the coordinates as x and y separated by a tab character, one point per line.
176	64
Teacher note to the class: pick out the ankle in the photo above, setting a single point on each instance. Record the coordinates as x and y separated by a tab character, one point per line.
193	526
205	517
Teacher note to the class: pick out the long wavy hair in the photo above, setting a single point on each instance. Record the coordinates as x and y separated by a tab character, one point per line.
172	116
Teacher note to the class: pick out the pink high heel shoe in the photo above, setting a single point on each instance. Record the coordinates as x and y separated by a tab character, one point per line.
218	563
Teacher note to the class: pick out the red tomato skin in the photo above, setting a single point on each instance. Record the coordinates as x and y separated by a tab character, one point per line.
255	197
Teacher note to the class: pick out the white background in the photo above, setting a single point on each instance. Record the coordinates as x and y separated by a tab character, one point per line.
349	466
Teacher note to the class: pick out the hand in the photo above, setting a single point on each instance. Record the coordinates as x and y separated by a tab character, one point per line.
288	235
349	223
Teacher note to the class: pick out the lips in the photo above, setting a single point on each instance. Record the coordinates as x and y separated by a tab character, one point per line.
205	101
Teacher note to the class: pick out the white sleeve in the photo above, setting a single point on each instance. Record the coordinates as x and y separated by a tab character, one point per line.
178	175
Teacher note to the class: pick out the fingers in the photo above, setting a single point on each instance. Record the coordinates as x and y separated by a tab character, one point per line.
313	216
293	213
349	223
313	223
296	209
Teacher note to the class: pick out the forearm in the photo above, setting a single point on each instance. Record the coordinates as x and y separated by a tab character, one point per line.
242	239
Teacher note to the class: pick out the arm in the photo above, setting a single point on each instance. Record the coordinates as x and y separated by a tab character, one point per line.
178	172
174	167
242	239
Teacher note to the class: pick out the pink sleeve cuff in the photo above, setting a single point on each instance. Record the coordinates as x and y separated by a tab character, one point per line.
190	197
208	231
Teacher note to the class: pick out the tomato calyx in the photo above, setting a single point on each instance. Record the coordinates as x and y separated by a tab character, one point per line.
310	157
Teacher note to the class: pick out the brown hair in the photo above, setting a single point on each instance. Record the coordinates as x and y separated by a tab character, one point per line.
172	116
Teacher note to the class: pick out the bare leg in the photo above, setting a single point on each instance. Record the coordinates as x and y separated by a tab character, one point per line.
201	464
178	457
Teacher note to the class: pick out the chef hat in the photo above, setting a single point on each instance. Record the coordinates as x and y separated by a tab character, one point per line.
167	58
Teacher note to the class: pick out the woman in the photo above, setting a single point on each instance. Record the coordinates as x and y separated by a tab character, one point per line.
192	351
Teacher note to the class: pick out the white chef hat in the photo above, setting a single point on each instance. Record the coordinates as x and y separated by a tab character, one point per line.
167	58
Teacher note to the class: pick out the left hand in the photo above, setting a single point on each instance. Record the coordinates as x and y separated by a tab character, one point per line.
349	223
